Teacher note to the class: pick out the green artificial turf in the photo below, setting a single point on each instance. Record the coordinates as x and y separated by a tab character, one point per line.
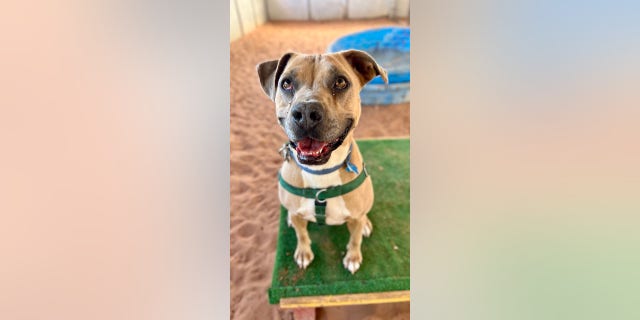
385	264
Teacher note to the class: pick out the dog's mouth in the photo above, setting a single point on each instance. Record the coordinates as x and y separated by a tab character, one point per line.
315	152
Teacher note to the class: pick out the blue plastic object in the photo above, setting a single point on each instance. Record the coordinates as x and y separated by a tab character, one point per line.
390	47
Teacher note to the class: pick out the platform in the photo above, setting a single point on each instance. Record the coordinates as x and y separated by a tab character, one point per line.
384	274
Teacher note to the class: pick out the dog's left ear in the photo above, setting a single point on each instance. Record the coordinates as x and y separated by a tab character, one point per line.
269	73
365	66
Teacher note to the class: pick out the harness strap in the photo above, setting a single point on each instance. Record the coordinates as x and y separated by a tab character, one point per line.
321	216
320	195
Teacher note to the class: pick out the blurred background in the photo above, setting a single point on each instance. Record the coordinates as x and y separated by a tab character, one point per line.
111	116
526	187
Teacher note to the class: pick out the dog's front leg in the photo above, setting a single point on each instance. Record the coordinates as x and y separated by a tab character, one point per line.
303	255
353	259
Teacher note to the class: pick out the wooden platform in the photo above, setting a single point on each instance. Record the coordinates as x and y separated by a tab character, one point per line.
345	299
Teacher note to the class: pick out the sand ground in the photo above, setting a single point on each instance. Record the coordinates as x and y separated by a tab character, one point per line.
255	140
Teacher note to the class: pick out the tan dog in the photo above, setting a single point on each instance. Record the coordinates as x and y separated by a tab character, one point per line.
317	101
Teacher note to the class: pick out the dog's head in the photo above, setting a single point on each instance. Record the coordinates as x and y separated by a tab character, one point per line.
318	98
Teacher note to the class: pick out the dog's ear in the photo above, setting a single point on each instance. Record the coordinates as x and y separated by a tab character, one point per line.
269	73
365	66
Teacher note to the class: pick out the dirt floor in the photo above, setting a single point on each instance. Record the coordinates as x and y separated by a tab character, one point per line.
255	140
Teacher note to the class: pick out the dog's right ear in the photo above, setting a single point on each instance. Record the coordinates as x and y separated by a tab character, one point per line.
270	72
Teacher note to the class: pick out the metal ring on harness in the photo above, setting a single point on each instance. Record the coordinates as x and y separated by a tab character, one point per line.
318	195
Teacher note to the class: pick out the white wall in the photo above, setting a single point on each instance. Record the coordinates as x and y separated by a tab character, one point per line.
234	21
402	8
246	15
288	9
260	9
327	9
336	9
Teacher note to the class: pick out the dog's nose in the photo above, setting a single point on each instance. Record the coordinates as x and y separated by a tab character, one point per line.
307	114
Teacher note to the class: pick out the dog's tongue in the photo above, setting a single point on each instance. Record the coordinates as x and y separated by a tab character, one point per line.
310	147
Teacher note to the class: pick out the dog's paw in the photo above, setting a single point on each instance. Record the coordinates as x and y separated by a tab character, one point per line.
367	228
352	260
303	256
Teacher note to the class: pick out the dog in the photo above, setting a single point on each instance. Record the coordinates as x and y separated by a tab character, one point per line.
317	104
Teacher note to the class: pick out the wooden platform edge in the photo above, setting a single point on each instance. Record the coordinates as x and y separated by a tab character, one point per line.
345	299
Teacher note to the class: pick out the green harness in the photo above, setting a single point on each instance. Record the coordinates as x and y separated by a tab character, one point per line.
320	195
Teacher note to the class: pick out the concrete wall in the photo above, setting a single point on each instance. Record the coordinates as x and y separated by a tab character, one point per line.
336	9
246	15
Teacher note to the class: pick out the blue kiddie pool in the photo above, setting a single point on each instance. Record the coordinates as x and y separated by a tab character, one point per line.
390	47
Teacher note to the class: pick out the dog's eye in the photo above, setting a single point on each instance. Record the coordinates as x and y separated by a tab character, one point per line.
286	84
340	83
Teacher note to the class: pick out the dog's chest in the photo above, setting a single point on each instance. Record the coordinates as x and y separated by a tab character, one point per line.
336	211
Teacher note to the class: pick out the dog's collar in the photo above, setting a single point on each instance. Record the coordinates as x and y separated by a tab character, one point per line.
349	166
